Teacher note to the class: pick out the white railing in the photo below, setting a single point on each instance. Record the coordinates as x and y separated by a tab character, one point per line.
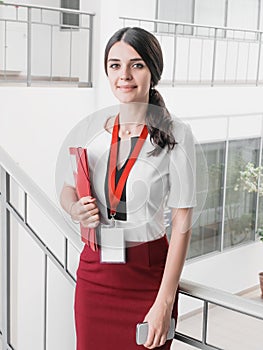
211	297
39	48
202	54
21	201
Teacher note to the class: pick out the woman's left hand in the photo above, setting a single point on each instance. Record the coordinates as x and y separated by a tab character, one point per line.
158	318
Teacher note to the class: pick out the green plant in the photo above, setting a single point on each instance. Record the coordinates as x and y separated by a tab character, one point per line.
260	233
250	179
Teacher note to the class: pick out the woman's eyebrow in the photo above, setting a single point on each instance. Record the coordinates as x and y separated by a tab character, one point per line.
132	59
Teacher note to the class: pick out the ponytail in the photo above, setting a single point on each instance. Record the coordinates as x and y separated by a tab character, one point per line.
159	123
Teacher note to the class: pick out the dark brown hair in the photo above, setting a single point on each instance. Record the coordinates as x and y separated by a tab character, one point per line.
158	120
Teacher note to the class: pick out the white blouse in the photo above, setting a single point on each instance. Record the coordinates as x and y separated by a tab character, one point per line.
154	182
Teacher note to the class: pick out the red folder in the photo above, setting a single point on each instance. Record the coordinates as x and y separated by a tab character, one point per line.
82	181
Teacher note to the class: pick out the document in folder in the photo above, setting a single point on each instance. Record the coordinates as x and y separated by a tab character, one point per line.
82	181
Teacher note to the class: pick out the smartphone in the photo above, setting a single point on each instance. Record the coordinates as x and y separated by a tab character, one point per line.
142	332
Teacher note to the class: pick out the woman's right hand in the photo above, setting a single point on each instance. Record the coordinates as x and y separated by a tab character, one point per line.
86	211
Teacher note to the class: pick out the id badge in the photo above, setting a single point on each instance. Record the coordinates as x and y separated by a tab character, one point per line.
112	245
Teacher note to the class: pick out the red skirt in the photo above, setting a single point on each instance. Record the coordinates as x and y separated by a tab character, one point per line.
110	299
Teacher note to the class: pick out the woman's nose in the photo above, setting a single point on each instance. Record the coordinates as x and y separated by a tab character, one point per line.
126	74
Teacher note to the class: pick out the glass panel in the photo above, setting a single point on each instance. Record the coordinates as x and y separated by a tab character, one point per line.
232	330
238	11
70	18
60	311
206	234
26	291
46	230
175	11
190	317
260	203
16	64
240	208
210	12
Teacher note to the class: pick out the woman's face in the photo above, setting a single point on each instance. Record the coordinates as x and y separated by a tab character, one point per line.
128	74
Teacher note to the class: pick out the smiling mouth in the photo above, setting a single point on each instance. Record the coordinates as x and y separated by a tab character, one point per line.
126	88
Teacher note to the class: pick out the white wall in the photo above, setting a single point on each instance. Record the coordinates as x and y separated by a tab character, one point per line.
211	12
242	14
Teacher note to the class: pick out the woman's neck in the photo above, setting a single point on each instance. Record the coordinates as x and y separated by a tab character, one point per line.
133	113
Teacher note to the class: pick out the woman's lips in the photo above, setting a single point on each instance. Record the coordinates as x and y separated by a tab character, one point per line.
126	88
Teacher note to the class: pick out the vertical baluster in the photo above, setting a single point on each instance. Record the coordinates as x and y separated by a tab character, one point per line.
188	59
5	229
29	45
205	322
226	56
174	60
259	58
70	53
237	61
45	302
51	53
90	51
201	60
214	58
248	57
5	50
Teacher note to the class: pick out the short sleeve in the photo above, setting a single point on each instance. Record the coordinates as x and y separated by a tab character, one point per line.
182	170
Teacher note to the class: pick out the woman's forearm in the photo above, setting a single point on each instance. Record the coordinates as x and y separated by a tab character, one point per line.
67	197
173	267
179	242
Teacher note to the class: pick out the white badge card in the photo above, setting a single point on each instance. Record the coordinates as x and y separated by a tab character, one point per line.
112	245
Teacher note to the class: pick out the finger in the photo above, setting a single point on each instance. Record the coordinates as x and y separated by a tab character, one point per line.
87	199
156	341
163	340
93	224
93	212
86	217
90	206
150	338
92	209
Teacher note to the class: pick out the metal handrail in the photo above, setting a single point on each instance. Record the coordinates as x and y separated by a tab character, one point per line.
219	298
159	21
57	9
50	76
210	66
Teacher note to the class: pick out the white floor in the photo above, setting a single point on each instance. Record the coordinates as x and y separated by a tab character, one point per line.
227	330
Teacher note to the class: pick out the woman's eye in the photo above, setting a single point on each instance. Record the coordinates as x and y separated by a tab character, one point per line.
114	65
138	65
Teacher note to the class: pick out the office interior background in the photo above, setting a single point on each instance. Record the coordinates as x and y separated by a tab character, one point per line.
52	76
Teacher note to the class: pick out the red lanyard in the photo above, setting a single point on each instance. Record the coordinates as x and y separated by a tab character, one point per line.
115	192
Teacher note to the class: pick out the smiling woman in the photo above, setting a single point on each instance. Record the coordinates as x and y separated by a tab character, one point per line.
141	161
